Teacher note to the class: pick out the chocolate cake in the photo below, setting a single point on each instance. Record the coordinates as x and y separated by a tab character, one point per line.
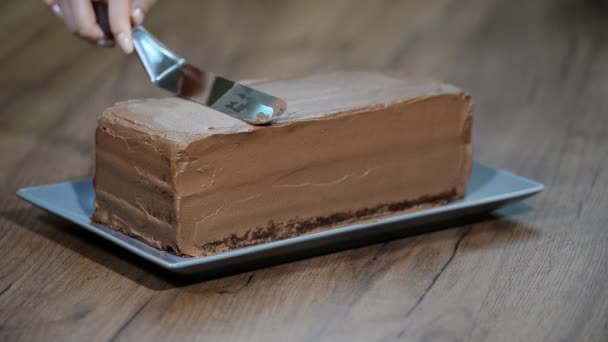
350	146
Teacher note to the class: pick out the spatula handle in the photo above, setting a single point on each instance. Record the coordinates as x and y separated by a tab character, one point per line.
103	17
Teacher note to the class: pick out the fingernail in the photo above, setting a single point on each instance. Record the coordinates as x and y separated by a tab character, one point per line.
105	42
125	42
57	10
138	16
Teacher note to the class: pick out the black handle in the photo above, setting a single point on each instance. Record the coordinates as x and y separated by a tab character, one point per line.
103	17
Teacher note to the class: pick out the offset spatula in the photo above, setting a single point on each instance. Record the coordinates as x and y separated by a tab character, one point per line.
173	73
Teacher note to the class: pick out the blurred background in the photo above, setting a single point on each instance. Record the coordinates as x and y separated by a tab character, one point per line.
526	63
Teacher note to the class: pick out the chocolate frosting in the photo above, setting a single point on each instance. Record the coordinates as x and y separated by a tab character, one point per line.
350	146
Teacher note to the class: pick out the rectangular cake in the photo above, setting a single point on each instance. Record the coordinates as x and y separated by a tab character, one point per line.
350	146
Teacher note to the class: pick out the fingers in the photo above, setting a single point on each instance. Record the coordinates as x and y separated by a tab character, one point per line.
85	20
54	8
120	21
80	19
139	8
66	12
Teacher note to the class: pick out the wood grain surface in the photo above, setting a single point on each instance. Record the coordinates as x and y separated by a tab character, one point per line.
538	71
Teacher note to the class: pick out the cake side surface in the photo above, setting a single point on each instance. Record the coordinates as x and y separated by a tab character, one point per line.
283	182
382	146
134	189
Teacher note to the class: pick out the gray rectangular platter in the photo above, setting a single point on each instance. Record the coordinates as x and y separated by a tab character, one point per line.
489	188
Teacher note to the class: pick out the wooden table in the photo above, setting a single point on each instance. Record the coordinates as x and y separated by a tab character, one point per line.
538	71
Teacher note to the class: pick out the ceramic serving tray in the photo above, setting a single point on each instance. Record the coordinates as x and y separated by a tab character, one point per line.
489	188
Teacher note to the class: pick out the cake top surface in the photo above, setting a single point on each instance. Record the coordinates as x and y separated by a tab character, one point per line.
308	98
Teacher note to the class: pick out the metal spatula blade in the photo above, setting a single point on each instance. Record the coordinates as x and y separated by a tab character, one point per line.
173	73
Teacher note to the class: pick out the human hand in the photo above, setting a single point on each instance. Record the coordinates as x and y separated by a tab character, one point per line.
80	19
